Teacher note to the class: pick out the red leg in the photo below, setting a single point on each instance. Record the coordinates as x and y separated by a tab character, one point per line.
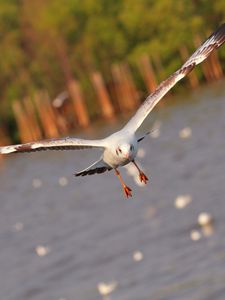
142	176
126	189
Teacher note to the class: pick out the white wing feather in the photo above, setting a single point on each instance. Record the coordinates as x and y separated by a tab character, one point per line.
53	144
213	42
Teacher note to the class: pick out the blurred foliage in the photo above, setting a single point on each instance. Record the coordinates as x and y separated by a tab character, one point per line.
44	42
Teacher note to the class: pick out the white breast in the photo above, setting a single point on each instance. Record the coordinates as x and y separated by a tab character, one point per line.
113	160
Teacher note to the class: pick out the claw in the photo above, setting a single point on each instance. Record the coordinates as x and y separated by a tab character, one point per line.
143	177
127	191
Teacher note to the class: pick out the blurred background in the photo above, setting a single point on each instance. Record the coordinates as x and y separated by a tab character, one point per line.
94	60
82	68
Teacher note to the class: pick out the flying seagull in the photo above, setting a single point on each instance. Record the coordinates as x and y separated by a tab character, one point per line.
121	147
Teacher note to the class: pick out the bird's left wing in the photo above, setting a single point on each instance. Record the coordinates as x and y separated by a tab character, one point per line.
53	144
213	42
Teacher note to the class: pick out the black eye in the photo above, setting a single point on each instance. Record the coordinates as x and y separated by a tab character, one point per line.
120	150
131	147
117	152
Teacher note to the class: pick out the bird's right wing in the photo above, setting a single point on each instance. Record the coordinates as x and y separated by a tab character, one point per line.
213	42
53	144
97	167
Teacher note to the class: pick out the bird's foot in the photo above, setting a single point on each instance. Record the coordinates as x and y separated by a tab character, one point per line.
143	177
127	191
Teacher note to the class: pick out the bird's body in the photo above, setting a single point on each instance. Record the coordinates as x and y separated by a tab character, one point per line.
121	147
123	140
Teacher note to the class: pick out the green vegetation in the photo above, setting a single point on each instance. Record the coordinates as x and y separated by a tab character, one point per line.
45	42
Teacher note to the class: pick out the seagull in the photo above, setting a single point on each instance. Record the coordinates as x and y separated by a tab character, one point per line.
120	148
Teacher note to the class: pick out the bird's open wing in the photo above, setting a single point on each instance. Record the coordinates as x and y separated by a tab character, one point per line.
97	167
53	144
213	42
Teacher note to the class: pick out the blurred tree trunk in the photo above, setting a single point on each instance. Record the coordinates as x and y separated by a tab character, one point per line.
72	85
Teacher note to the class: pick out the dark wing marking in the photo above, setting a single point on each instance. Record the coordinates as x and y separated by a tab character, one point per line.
213	42
97	167
141	138
53	144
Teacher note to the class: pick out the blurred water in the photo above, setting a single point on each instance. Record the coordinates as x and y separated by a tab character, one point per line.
61	236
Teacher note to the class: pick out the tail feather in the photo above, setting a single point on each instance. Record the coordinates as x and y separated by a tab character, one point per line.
97	167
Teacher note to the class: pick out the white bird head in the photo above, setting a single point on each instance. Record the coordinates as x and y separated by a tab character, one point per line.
125	150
